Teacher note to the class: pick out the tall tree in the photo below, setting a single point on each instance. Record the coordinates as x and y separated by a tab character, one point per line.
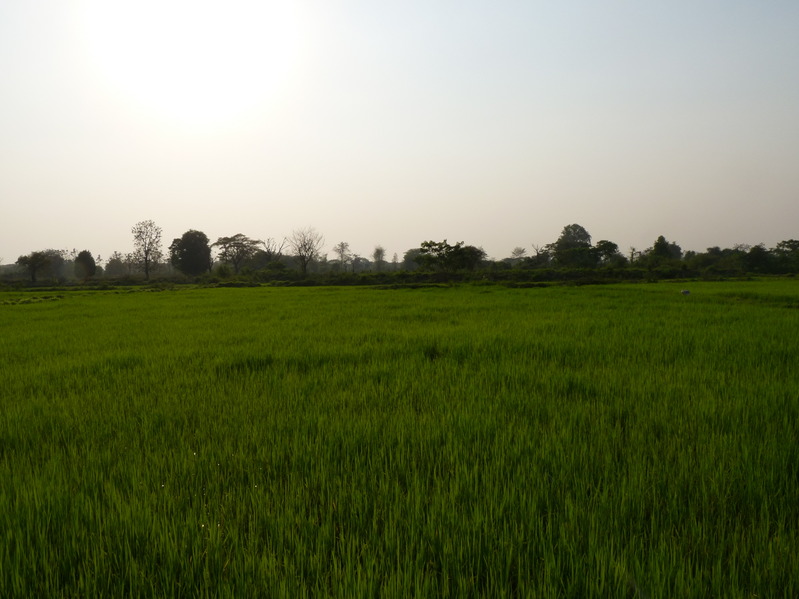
191	254
85	266
379	257
573	248
237	250
573	236
342	250
147	245
306	244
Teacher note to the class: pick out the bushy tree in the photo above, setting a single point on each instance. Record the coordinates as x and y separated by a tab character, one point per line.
85	265
573	248
412	259
609	254
440	255
34	263
46	262
115	267
542	257
236	250
787	255
573	236
758	259
662	252
191	254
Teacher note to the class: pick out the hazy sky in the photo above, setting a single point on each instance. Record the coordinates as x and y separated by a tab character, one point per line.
494	123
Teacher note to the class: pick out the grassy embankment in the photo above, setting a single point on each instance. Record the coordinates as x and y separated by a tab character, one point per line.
472	441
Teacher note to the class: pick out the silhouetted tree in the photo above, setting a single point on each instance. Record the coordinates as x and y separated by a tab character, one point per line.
662	252
237	249
85	266
465	257
115	267
306	244
787	255
34	262
609	254
379	255
269	256
440	255
573	248
411	259
342	250
758	259
147	245
273	250
541	258
191	254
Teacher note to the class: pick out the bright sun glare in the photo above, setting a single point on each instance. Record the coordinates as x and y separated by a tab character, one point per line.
195	62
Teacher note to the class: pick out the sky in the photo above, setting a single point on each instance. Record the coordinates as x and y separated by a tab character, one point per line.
393	123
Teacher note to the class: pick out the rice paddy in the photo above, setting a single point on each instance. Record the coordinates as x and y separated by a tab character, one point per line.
472	441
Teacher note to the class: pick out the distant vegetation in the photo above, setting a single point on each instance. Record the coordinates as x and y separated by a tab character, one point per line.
468	441
300	258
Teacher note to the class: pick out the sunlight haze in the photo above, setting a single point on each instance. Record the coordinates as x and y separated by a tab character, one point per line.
394	123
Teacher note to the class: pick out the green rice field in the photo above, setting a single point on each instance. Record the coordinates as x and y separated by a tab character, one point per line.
466	441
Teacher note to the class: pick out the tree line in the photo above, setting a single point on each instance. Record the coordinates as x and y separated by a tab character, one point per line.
300	256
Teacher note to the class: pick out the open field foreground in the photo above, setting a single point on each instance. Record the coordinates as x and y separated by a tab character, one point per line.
614	441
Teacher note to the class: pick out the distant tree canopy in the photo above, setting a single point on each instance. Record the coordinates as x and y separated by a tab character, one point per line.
342	251
115	267
440	255
410	259
571	257
85	265
34	263
787	255
48	262
236	250
573	248
147	245
191	254
269	256
573	236
306	244
663	252
379	257
609	254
